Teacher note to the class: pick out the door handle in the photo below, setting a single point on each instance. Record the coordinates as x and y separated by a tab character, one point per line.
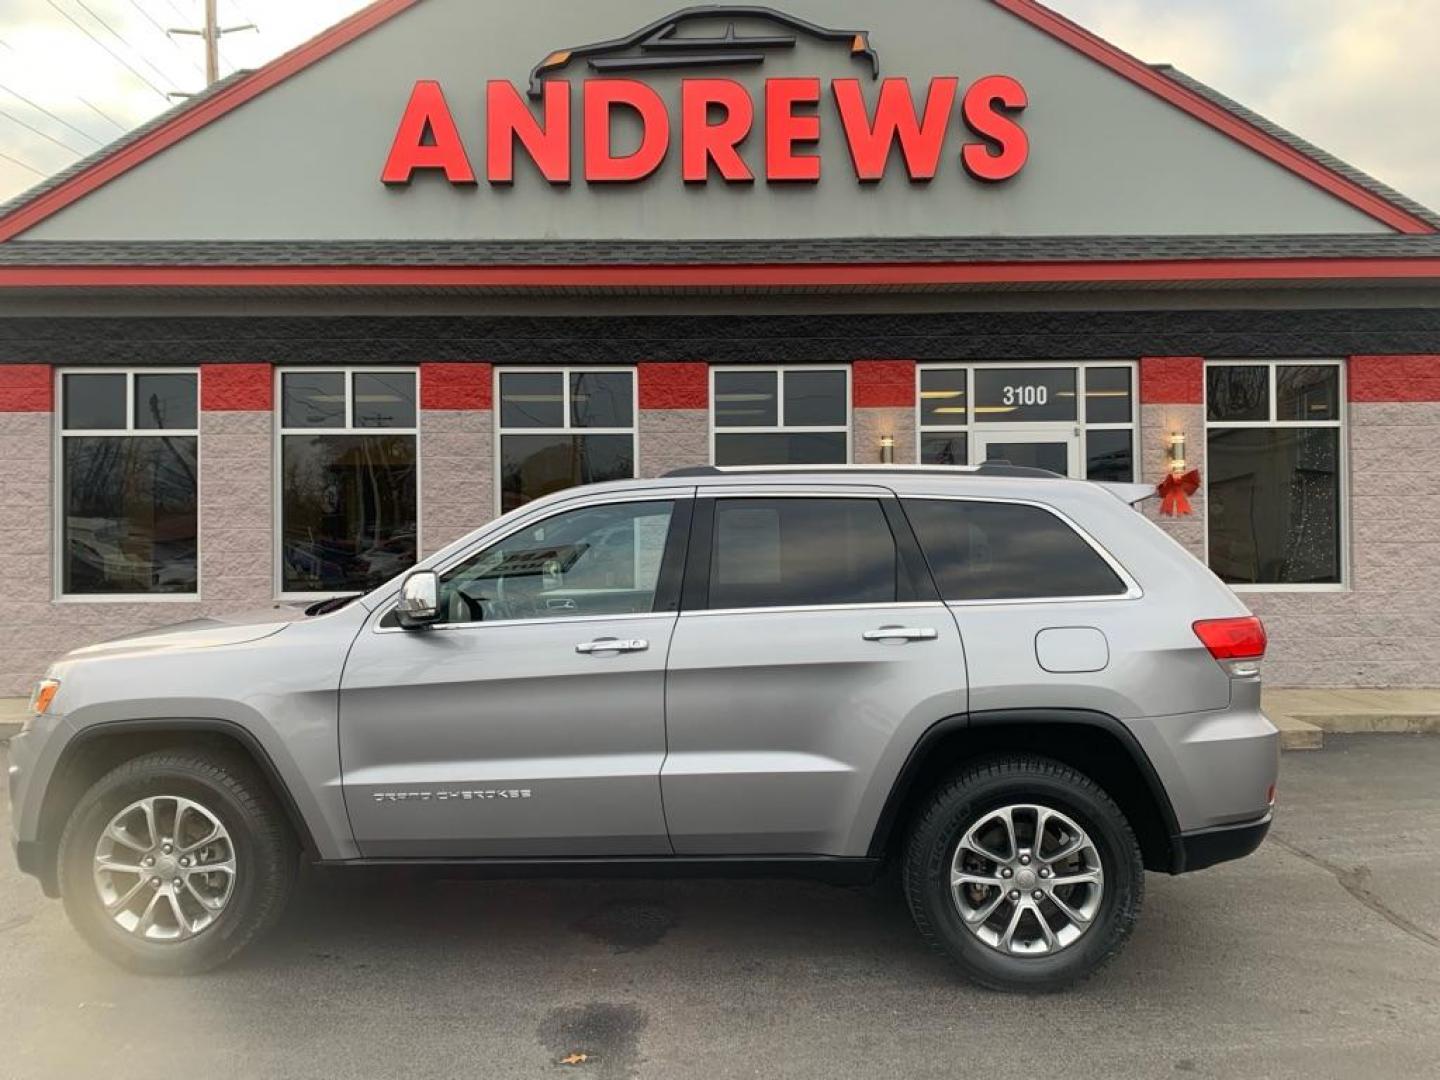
902	633
604	645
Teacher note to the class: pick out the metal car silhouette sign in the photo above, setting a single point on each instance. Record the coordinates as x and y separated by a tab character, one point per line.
716	116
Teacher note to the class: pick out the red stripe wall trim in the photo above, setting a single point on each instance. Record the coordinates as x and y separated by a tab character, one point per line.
1395	378
711	276
458	387
1278	151
1172	380
883	384
237	387
26	388
683	385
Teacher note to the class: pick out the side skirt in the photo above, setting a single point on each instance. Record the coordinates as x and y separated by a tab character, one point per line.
832	869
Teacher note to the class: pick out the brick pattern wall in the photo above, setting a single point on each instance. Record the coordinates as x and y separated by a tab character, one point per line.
1382	631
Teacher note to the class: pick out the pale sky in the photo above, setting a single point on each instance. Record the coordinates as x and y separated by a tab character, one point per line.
1357	77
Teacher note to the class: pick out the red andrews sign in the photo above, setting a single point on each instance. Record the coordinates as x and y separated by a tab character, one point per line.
716	119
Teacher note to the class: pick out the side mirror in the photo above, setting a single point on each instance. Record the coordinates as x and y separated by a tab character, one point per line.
419	603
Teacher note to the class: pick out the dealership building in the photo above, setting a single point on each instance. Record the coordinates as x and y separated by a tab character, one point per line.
453	255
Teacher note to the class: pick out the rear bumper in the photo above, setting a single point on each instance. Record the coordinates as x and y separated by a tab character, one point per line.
1197	850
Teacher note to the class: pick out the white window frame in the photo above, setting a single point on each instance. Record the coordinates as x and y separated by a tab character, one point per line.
278	458
569	428
129	431
1080	426
780	427
1343	463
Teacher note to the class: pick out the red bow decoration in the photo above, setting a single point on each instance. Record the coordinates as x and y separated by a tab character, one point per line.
1173	491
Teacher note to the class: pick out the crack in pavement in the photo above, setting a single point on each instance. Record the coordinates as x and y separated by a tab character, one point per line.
1354	882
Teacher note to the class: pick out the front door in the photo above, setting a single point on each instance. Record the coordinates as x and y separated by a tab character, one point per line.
811	648
1057	450
531	721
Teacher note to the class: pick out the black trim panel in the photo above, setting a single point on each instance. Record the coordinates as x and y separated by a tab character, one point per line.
1199	850
834	869
718	339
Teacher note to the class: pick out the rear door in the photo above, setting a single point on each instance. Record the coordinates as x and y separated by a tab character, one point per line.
811	648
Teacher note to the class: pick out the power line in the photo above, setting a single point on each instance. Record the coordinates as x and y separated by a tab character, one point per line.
173	43
122	39
113	54
41	109
43	134
101	112
17	161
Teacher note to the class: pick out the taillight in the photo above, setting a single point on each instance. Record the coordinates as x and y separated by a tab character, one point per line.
1237	644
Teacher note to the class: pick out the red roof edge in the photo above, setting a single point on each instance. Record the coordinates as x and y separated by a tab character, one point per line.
209	110
703	276
1262	142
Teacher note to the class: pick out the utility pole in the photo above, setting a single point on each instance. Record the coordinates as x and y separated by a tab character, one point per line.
212	33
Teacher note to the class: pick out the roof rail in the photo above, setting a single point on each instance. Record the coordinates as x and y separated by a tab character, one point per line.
989	468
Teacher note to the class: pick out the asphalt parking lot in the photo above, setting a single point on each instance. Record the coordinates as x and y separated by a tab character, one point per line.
1317	957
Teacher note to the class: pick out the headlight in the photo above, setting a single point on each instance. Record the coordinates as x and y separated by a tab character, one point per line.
45	691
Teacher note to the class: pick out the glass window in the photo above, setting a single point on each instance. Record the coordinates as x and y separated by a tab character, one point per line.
1274	478
95	402
129	506
384	399
1039	401
1233	392
752	428
563	428
801	553
349	496
943	449
1110	455
599	560
1107	395
1007	551
1024	395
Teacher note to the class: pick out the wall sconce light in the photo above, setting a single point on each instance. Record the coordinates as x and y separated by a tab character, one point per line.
1177	453
887	449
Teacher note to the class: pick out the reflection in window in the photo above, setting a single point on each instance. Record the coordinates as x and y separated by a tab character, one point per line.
562	428
1274	473
801	552
349	503
781	416
129	524
598	560
1000	551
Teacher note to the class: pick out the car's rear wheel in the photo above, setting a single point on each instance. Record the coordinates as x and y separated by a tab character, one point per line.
176	861
1025	873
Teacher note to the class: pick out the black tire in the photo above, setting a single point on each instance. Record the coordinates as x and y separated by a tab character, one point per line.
265	854
960	803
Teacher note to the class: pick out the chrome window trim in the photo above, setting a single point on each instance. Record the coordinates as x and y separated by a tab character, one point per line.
800	608
1133	591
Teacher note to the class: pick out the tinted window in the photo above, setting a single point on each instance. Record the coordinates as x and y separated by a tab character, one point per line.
130	515
1307	393
602	399
532	399
535	465
814	399
599	560
348	507
779	448
313	399
1107	395
1024	395
1110	455
1235	392
94	402
1275	505
1005	551
165	402
942	397
384	400
746	399
943	449
801	552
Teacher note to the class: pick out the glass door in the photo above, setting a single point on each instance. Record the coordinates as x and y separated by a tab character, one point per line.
1034	448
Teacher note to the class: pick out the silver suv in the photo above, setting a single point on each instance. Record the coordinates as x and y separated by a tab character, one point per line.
1011	684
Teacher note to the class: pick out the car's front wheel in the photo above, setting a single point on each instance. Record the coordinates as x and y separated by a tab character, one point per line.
175	861
1025	873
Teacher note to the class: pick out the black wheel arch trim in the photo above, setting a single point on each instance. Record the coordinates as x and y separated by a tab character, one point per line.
48	844
901	789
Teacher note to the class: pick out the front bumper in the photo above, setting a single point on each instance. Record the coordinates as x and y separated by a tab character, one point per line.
1197	850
